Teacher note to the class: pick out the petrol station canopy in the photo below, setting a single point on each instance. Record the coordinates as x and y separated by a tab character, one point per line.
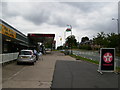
42	38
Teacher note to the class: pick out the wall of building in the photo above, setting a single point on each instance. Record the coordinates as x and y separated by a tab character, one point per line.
11	42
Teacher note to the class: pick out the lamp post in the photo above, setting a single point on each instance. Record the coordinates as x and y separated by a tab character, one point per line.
118	33
78	41
69	28
117	24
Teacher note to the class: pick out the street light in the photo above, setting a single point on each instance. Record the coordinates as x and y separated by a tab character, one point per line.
69	28
117	23
78	41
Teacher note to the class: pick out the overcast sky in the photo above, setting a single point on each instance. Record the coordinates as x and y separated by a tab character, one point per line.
86	18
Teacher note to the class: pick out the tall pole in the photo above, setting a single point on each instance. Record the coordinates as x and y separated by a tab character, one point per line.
118	26
71	37
78	41
118	17
70	28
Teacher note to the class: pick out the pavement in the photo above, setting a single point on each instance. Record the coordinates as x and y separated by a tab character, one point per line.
39	75
56	70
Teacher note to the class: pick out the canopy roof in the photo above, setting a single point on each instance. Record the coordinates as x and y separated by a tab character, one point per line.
43	38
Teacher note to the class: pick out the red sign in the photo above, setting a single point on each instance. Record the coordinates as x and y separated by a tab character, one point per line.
68	29
41	35
107	57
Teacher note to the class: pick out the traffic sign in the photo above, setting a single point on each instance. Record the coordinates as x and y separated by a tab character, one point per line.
107	60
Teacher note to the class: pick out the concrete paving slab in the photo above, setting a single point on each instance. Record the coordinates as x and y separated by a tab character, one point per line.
39	75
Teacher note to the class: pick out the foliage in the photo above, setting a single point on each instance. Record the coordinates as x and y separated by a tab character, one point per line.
85	59
86	47
100	39
84	39
113	40
89	60
59	47
110	40
71	41
48	45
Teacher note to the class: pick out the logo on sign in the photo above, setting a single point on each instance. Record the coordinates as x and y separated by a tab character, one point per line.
107	57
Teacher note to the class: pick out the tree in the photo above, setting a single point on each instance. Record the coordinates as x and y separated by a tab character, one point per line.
71	41
114	41
100	39
85	43
84	39
110	40
59	47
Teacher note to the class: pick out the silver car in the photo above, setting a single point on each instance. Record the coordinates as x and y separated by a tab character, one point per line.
26	56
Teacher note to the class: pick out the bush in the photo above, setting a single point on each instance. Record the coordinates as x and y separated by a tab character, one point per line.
86	47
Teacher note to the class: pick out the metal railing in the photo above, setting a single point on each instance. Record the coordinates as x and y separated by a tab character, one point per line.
8	57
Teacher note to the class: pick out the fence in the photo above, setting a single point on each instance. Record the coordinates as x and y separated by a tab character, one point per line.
8	57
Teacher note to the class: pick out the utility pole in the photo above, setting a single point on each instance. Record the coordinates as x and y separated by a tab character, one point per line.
70	29
117	25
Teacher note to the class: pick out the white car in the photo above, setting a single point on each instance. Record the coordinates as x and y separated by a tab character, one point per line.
26	56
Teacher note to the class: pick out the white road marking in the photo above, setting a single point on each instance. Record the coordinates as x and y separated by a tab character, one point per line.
16	73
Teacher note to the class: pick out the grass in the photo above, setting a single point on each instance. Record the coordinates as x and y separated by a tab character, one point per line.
118	69
84	59
89	60
55	50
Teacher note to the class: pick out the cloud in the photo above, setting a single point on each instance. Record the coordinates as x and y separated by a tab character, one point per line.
86	18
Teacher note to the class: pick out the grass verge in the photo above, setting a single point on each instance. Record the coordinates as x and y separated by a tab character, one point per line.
84	59
89	60
55	50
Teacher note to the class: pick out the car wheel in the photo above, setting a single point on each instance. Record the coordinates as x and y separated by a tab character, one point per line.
32	63
18	63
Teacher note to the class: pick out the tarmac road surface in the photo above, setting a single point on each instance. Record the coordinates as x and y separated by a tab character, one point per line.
56	70
81	74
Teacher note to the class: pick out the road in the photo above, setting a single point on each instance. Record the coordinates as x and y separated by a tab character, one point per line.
56	71
81	74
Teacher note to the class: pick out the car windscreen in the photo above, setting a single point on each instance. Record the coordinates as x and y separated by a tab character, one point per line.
25	53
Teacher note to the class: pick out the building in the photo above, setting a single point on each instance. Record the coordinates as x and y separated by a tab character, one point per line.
12	41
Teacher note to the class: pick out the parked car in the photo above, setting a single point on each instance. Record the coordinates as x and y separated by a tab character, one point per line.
26	56
62	50
48	50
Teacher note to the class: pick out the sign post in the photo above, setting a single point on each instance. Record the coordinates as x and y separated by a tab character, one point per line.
107	60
